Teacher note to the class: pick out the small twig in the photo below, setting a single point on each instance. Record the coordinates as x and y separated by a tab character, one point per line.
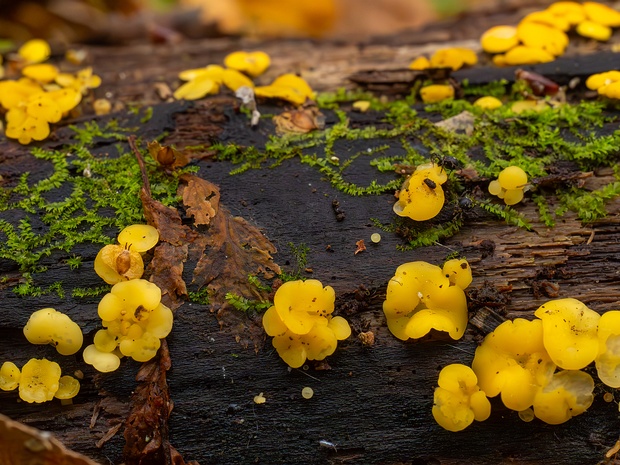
145	179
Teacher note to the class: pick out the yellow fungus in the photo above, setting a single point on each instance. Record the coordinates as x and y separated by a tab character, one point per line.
548	19
539	36
213	72
197	89
139	237
39	381
421	196
48	326
454	58
43	107
419	298
375	238
595	81
509	185
608	357
68	388
252	63
260	399
66	99
527	415
420	63
307	392
102	361
234	79
602	14
361	105
488	102
436	93
458	272
302	304
9	376
458	400
524	55
114	263
593	30
571	11
43	72
569	393
499	39
512	360
102	106
529	105
28	129
569	332
34	51
288	87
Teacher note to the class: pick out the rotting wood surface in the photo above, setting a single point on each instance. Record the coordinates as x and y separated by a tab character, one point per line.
374	404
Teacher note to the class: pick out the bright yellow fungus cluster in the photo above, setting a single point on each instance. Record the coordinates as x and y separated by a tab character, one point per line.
436	93
42	96
606	84
541	36
454	57
421	196
458	400
302	324
121	262
39	381
241	68
135	321
421	297
509	185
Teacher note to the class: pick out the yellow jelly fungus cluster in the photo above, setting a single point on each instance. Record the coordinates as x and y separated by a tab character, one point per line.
455	58
421	297
302	324
135	321
42	96
121	262
509	185
458	400
39	381
606	84
421	196
48	326
541	36
241	68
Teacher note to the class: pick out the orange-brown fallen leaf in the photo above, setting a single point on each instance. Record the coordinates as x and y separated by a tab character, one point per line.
360	246
21	445
199	196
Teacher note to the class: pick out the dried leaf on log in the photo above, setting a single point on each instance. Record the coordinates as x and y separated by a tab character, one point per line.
199	196
21	444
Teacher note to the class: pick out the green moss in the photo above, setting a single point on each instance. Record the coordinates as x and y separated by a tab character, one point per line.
246	305
199	297
86	292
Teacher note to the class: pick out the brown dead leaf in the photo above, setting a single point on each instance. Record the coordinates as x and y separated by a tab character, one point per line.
167	156
166	268
199	196
360	246
23	445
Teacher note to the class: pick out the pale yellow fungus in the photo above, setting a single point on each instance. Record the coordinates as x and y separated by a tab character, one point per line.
260	399
68	388
48	326
375	238
361	105
307	392
9	376
102	106
139	237
608	357
39	381
569	393
114	263
102	361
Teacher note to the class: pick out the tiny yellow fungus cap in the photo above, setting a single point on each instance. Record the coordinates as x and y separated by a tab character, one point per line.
529	105
139	237
288	87
105	341
35	51
572	12
114	263
307	392
421	196
197	89
213	72
458	272
234	79
499	39
420	63
512	177
569	393
458	400
9	376
436	93
68	388
569	332
42	72
361	105
608	357
48	326
39	381
252	63
454	58
302	304
602	14
488	102
102	361
512	360
593	30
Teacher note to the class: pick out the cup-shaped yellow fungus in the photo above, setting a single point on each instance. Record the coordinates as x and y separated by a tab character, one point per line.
602	14
114	263
499	39
301	323
34	51
39	381
421	196
488	102
48	326
458	400
420	63
288	87
509	185
102	361
568	394
197	89
252	63
436	93
548	19
68	388
213	72
542	37
512	360
608	358
571	11
303	304
9	376
593	30
569	332
420	298
455	58
458	272
138	237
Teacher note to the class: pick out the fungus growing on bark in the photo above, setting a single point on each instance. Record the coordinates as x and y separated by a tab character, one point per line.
421	196
48	326
488	103
39	381
608	358
9	376
102	361
68	388
569	393
288	87
509	185
252	63
436	93
458	400
499	39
